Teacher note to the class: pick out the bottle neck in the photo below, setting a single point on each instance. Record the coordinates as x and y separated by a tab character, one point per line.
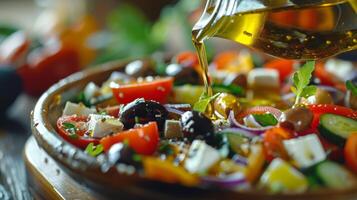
214	10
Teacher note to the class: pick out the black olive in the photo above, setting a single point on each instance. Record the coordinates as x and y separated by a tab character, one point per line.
121	153
236	79
141	111
298	119
139	68
11	85
183	75
196	125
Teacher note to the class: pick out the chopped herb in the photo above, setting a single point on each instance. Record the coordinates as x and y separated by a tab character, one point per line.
71	129
233	89
68	125
136	158
204	101
166	148
103	112
351	87
81	98
265	119
301	81
94	150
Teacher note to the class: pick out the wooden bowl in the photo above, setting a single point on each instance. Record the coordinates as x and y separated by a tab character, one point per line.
92	171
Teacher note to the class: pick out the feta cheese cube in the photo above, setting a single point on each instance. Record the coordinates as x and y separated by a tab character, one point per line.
90	90
263	78
77	109
103	125
306	150
343	70
173	129
201	157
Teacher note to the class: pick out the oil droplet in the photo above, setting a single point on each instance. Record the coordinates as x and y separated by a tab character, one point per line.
354	40
288	37
349	33
328	42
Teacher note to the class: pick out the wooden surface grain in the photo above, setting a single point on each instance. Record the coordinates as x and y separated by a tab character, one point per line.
14	131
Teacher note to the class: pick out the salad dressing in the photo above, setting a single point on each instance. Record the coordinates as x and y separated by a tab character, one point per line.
290	31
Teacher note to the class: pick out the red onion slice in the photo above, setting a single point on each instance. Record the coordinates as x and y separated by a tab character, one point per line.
234	180
254	131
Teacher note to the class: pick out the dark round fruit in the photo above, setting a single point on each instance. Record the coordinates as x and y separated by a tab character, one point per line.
10	86
196	125
142	111
121	153
182	74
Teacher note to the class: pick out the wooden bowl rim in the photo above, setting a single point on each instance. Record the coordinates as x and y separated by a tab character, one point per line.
66	154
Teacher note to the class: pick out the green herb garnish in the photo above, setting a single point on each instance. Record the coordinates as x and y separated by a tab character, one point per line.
81	98
351	87
137	158
166	148
203	102
94	150
233	89
301	81
266	119
71	129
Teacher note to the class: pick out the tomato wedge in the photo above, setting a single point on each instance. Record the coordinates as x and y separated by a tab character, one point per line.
187	58
143	140
72	130
156	90
351	152
273	143
319	109
284	67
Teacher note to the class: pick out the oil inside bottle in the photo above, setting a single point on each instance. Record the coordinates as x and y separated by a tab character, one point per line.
302	33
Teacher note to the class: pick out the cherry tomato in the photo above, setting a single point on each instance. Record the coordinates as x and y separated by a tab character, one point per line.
75	136
112	110
273	143
351	152
223	59
46	66
187	58
143	140
324	76
284	67
156	90
319	109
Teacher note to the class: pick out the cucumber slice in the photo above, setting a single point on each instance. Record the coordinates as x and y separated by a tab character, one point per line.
336	128
335	176
236	141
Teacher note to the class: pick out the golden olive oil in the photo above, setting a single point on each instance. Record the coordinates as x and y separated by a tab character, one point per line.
303	33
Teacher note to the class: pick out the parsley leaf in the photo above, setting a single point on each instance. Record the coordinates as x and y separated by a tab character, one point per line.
233	89
71	129
94	150
351	87
301	80
203	102
266	119
68	125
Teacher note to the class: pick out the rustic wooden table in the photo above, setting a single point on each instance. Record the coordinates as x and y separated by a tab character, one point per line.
14	131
